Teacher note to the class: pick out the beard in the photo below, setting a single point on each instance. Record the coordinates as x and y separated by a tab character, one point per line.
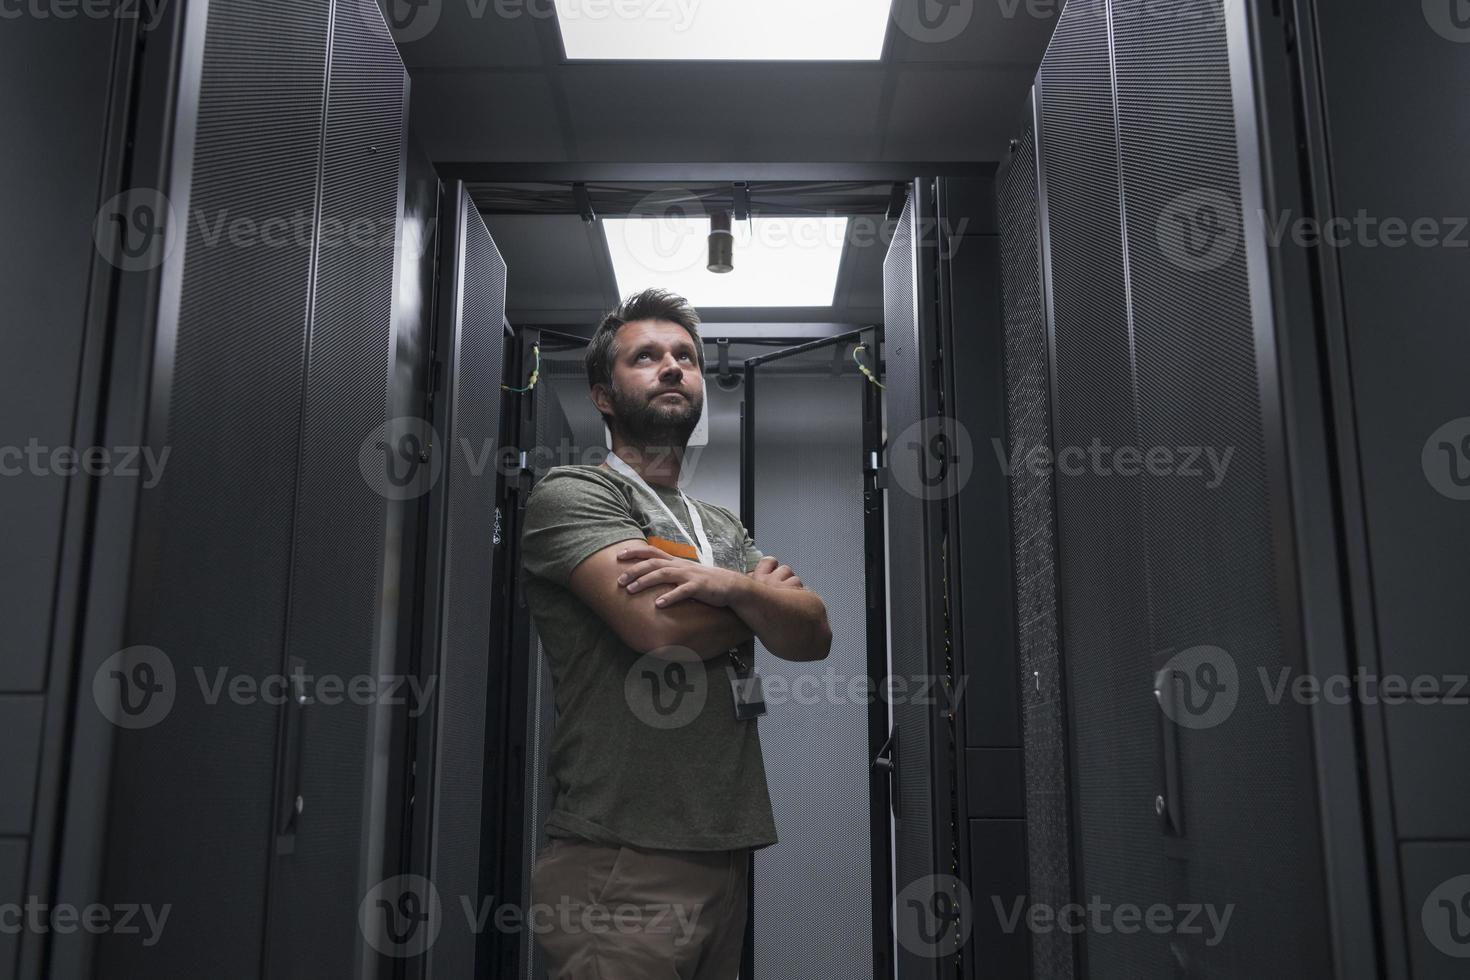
653	424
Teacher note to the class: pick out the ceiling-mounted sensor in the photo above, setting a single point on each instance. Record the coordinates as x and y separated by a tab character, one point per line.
721	243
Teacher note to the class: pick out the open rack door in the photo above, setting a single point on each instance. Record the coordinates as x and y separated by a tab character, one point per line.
931	906
809	433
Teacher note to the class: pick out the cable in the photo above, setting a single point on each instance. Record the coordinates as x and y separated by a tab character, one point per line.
863	368
535	372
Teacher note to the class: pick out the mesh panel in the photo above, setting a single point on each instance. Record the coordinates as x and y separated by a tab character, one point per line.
214	538
1102	571
562	381
911	590
1248	809
468	583
813	889
1028	412
336	585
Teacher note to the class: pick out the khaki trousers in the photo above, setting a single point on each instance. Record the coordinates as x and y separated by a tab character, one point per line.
603	912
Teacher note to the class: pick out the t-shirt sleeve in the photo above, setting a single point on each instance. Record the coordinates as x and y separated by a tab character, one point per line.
570	515
752	553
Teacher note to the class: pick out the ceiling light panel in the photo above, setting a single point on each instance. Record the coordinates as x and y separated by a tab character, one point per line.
778	261
721	30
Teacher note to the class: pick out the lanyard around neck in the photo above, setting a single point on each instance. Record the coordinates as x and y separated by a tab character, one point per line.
701	543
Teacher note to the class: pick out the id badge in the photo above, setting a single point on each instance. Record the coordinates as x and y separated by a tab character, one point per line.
750	699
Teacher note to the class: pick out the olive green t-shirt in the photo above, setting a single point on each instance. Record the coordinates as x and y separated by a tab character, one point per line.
647	751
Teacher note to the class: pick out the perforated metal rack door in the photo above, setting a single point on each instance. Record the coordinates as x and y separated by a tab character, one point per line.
214	536
1173	571
1100	520
1213	571
561	397
813	890
336	588
472	348
915	587
1033	544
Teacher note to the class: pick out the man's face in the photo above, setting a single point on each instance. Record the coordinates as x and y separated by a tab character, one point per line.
657	395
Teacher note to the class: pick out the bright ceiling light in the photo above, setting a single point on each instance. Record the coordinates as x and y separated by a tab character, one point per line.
723	30
778	262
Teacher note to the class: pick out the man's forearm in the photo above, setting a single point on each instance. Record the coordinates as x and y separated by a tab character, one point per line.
790	622
707	630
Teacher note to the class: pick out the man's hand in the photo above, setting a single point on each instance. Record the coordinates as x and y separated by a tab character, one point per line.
649	566
770	571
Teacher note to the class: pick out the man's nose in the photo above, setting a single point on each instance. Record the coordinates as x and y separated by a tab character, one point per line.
670	368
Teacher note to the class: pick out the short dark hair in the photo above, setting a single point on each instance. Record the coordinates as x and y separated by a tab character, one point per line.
651	304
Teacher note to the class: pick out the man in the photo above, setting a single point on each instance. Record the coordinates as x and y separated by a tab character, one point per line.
639	594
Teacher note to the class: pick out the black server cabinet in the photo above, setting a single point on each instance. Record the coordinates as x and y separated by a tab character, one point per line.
243	330
1188	485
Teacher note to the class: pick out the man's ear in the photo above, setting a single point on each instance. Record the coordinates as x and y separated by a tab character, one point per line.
602	398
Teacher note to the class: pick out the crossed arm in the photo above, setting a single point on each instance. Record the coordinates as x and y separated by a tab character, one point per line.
642	592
